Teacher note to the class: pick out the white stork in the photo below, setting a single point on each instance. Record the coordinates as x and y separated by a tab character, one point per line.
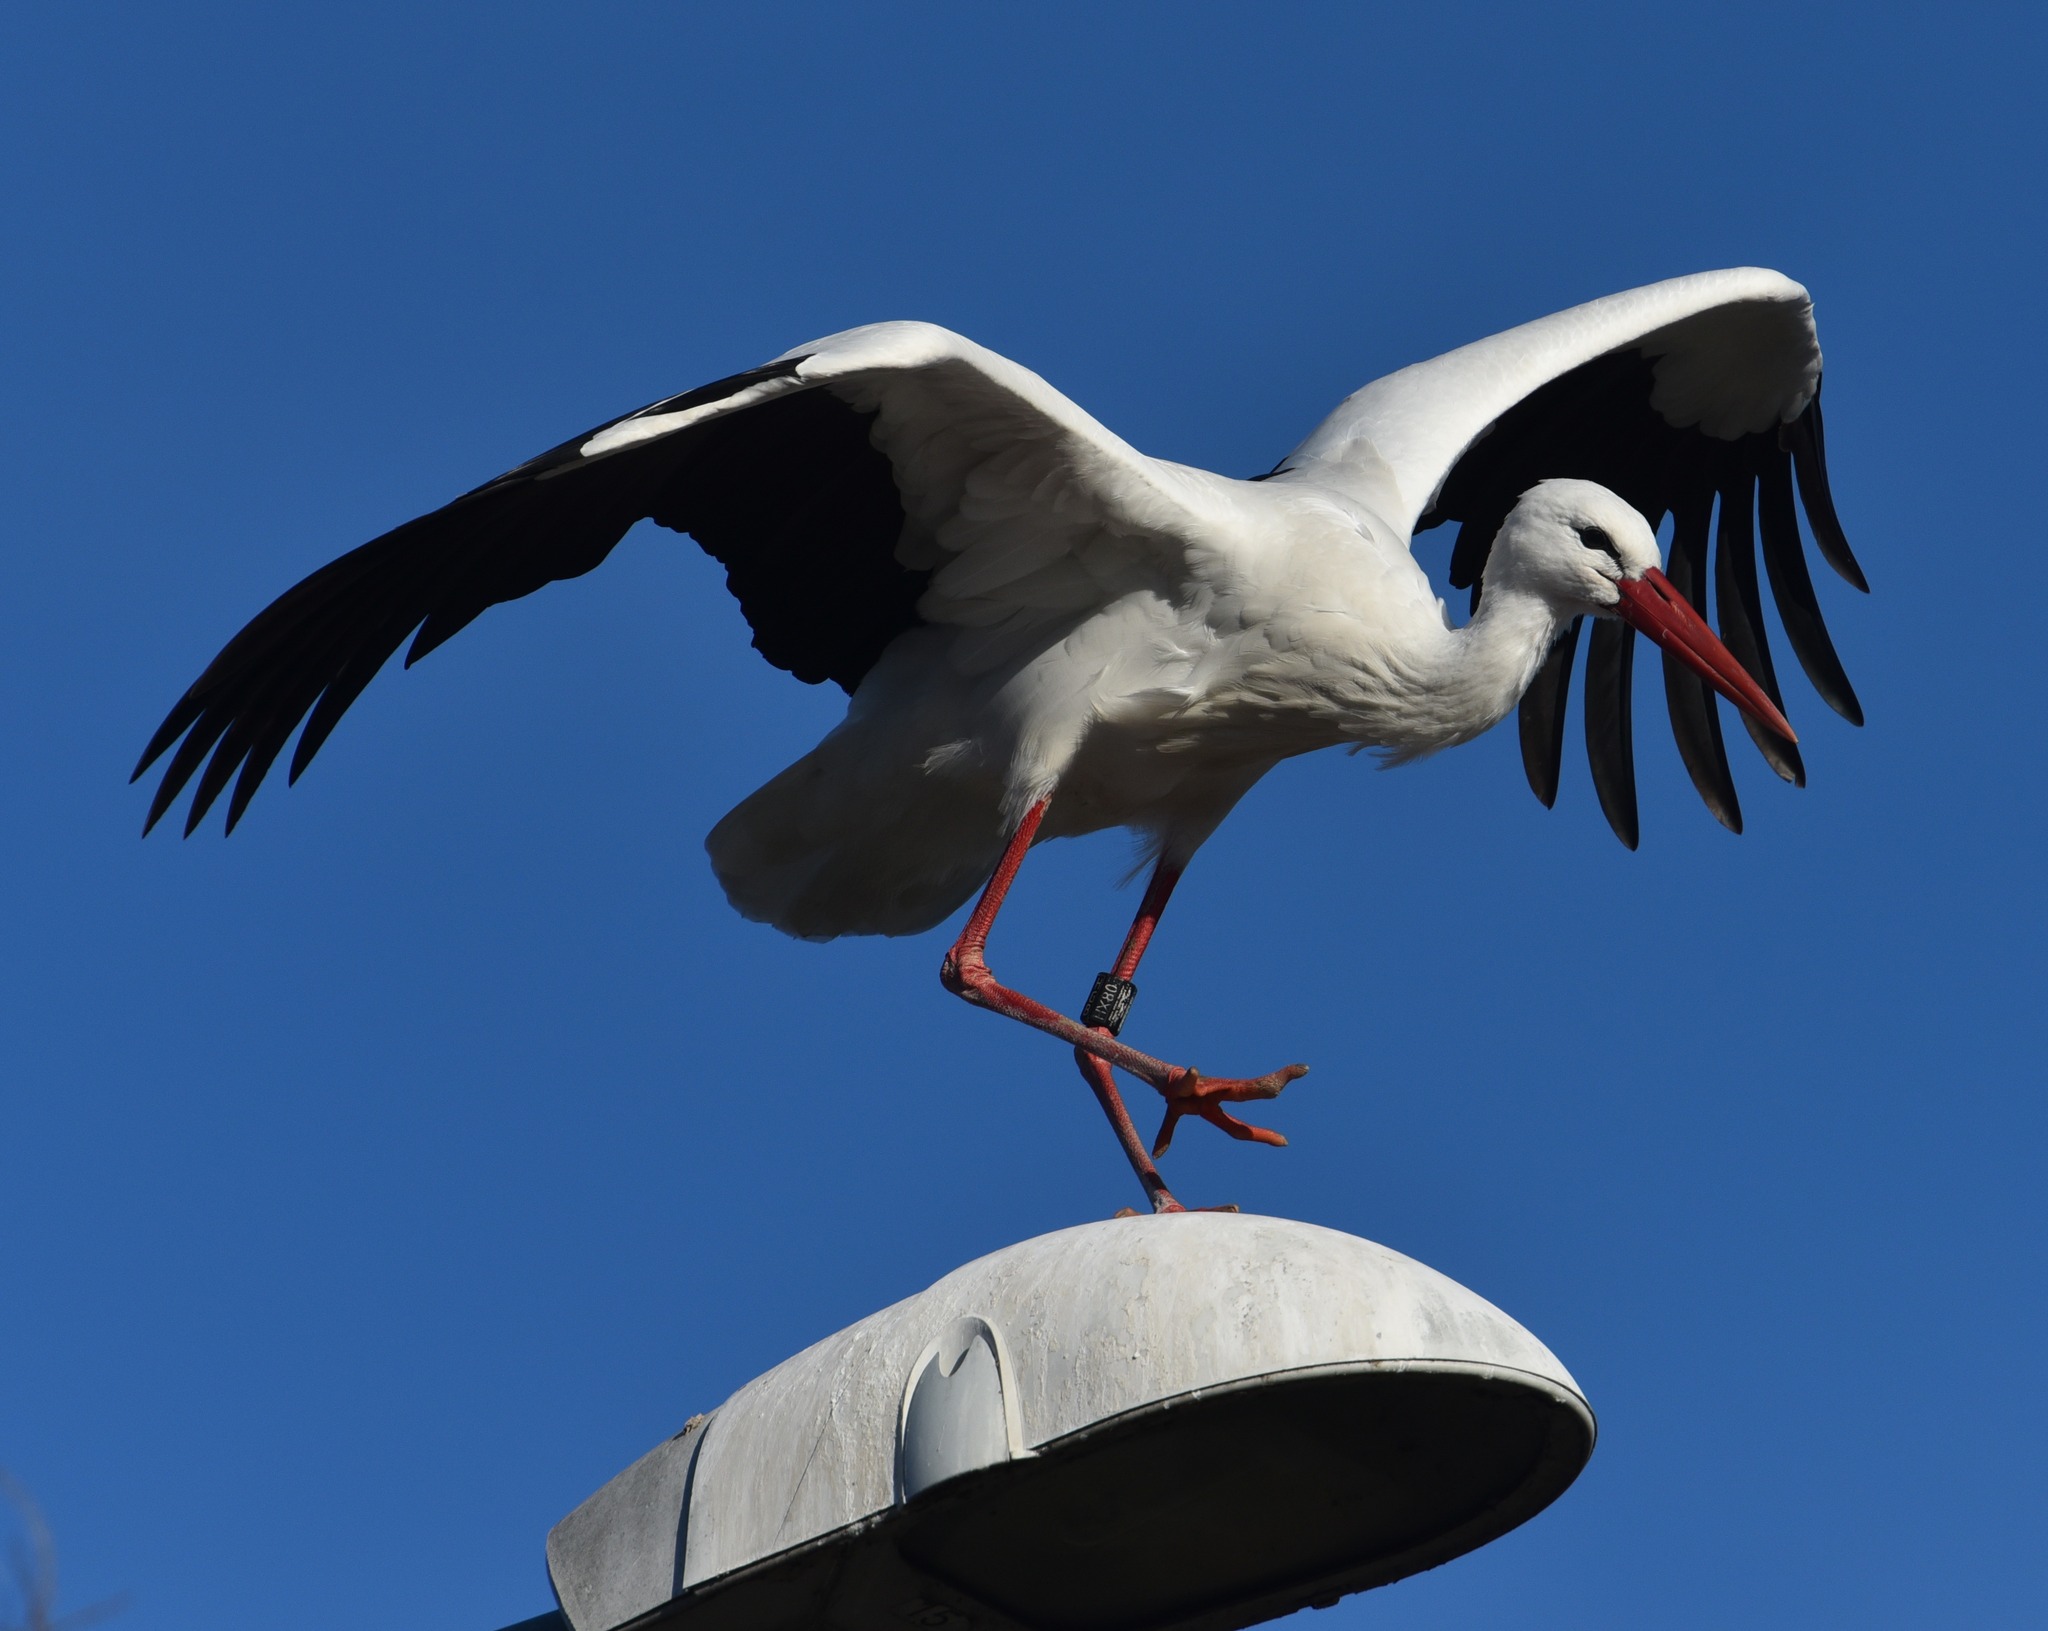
1045	632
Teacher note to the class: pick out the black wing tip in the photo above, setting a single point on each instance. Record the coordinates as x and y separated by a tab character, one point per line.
179	720
1544	787
246	784
1542	717
1609	715
1721	801
1689	701
1805	439
1833	687
1779	752
160	806
203	801
185	763
1617	804
1624	824
1782	756
253	763
436	630
1729	816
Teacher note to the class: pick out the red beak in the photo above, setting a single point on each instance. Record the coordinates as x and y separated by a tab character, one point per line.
1650	604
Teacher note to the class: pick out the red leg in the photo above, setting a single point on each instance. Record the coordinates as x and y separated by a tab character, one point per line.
1192	1096
1096	1072
1098	1077
966	973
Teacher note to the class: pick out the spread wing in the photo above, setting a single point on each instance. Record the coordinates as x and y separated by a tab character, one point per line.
1698	399
853	488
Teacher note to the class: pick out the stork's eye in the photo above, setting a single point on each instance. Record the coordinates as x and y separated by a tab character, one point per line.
1596	538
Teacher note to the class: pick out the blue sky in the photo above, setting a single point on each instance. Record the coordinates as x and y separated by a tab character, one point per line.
375	1184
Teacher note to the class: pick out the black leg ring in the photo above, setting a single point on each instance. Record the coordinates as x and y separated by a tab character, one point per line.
1109	1003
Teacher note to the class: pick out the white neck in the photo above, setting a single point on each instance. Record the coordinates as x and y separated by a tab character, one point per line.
1480	671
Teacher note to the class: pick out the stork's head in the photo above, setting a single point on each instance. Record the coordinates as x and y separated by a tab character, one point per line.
1585	551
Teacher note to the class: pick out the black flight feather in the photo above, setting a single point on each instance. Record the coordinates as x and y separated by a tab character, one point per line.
1792	588
1807	441
1541	716
1742	615
1610	739
1597	423
789	494
1695	720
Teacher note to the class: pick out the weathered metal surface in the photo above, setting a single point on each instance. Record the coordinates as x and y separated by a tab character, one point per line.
1041	1439
614	1557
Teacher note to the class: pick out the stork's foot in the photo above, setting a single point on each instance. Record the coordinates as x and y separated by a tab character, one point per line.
965	973
1189	1093
1172	1205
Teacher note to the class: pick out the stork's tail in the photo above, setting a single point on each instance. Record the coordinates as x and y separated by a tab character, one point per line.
856	839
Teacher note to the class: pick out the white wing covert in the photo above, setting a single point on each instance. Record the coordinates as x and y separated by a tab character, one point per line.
1696	398
1024	509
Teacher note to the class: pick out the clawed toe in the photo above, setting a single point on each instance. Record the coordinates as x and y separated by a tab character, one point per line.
1172	1206
1189	1094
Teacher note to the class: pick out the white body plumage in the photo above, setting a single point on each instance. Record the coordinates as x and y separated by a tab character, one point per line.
1140	641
